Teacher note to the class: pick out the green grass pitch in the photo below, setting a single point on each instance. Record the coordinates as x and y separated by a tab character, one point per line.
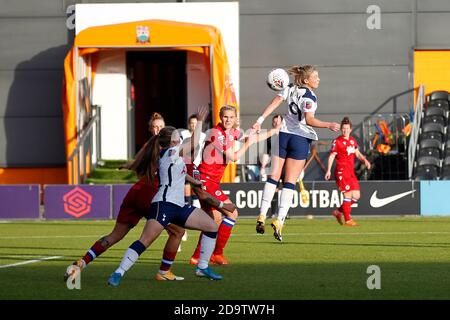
318	259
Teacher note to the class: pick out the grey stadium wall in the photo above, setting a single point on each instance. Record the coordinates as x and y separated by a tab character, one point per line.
359	68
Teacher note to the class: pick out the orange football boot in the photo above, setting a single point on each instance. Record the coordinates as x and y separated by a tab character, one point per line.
219	259
193	261
351	223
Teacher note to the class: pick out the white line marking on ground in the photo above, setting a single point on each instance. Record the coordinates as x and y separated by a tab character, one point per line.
16	256
255	234
49	237
29	261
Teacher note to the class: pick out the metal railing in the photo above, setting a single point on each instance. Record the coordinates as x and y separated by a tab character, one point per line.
395	122
396	145
415	130
361	129
84	157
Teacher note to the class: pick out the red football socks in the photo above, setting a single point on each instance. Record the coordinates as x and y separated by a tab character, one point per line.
96	250
223	234
346	208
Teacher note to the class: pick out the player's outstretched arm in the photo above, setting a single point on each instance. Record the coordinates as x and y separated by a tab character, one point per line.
275	103
224	208
267	134
232	155
314	122
193	181
191	145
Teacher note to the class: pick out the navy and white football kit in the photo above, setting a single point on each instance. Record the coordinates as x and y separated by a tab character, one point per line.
168	205
295	135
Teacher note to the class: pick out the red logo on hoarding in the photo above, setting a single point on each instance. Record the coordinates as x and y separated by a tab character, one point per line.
77	202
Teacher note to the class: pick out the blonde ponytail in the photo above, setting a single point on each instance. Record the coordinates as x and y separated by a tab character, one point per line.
301	73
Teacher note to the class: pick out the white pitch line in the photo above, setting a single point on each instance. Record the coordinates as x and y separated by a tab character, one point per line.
255	234
48	237
15	256
29	261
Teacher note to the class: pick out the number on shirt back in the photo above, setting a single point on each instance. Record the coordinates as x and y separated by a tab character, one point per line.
293	107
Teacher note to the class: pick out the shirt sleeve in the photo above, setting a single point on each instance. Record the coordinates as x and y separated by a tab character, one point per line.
284	93
308	105
174	153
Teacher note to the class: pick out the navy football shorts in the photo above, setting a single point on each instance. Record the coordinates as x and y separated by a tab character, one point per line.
293	146
166	213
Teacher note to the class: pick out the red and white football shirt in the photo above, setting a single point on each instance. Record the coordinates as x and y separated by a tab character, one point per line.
345	150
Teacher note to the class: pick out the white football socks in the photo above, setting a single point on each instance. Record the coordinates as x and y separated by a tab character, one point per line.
128	261
266	202
285	203
207	246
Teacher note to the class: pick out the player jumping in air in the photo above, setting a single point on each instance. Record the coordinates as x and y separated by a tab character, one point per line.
344	149
295	138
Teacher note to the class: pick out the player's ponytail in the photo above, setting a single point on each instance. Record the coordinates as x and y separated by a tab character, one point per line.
147	163
156	116
301	73
346	120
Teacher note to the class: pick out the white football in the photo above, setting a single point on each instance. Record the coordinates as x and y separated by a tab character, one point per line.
278	79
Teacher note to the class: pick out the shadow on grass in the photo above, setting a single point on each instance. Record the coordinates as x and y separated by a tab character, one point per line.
263	281
69	259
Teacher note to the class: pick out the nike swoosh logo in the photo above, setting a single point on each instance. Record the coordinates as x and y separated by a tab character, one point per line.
375	202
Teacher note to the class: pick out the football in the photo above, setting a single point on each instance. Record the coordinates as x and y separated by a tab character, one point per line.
278	79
